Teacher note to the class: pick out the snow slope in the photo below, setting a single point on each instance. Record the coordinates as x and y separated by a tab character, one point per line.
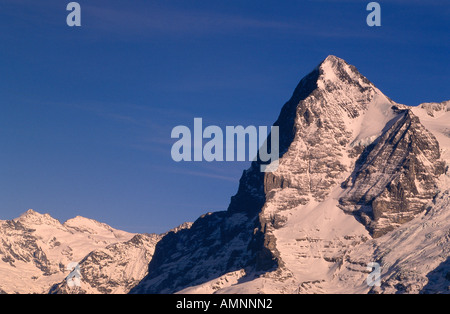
436	118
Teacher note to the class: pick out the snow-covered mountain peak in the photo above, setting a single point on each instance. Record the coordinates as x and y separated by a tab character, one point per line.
353	166
335	72
334	113
31	217
80	222
336	90
94	227
332	63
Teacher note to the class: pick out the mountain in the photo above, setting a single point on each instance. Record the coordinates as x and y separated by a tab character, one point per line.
361	180
35	250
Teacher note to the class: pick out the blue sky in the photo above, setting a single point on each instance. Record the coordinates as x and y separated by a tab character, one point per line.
86	113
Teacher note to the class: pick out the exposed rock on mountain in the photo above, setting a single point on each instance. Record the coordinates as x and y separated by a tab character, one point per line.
354	166
395	176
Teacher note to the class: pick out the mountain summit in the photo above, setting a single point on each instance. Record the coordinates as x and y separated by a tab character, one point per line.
354	167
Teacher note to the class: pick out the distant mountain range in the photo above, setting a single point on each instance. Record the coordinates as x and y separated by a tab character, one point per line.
36	252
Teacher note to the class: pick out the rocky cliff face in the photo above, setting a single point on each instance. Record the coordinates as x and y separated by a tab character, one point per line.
354	165
215	244
395	176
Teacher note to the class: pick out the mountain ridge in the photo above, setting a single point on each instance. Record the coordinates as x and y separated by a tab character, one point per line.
35	249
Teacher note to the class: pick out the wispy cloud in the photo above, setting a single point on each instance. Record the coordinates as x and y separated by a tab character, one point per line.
152	21
144	20
205	170
206	175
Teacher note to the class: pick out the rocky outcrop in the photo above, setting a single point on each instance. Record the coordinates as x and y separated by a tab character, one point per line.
18	245
395	177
